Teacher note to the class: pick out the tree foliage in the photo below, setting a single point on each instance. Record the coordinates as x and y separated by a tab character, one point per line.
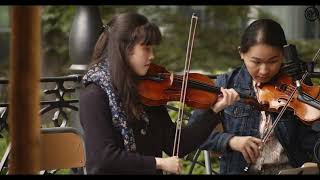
216	40
56	25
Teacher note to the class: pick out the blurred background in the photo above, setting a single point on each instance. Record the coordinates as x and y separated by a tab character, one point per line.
215	50
217	37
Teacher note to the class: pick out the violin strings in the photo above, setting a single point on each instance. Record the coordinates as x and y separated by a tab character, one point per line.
200	85
280	114
290	89
212	88
277	119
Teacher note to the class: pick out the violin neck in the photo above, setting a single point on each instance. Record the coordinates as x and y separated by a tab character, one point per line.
214	89
244	98
203	86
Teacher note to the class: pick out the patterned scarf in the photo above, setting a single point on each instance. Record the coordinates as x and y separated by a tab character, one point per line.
100	75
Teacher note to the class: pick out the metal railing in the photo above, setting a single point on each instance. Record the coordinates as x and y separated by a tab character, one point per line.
60	103
64	105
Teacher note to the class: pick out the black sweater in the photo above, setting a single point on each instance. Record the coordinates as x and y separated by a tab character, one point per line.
105	152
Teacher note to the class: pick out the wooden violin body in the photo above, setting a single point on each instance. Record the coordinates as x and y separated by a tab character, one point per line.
160	87
275	95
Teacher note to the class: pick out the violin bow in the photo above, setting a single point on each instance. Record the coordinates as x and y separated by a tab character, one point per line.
268	134
192	31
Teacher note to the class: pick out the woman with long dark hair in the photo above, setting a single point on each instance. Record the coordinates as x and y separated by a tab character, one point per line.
122	136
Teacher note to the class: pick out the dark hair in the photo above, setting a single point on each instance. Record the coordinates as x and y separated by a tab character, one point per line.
115	43
263	31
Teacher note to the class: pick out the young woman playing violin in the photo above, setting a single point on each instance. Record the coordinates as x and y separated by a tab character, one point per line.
123	136
290	144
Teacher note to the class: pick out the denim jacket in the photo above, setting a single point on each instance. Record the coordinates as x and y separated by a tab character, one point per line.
241	119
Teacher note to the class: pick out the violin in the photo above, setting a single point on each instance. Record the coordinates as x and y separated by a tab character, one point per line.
304	105
160	86
282	94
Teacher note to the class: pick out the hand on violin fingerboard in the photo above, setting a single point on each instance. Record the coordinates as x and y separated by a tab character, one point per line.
228	97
